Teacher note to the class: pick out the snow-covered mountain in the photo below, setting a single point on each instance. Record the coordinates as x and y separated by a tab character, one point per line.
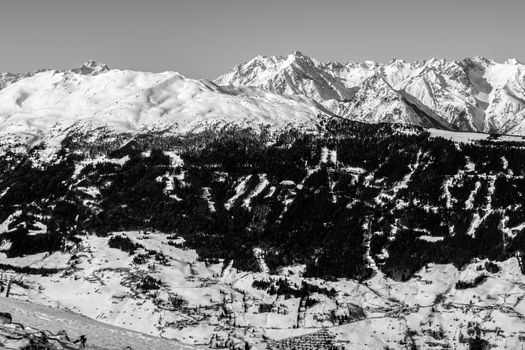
347	234
295	74
46	105
473	94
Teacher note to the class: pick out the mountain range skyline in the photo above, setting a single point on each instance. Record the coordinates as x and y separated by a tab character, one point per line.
472	95
203	39
103	65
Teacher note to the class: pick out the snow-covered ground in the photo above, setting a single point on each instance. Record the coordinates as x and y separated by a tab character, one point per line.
99	335
47	105
468	137
474	94
195	301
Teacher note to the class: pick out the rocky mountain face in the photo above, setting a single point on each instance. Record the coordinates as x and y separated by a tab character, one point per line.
473	94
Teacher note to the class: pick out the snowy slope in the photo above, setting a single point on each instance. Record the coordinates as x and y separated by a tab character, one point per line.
378	102
104	284
48	104
473	94
429	311
99	335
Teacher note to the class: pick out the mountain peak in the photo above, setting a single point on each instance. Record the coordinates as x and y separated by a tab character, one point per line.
91	67
397	60
512	61
458	91
297	56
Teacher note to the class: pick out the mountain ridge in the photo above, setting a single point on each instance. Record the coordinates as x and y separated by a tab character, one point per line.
473	94
46	105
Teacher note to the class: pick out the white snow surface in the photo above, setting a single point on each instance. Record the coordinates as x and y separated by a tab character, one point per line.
473	94
97	282
47	104
470	137
99	335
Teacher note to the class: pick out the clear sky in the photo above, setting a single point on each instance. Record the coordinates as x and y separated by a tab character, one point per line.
204	38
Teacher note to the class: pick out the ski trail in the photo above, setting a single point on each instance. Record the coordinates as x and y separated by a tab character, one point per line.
469	204
380	199
487	209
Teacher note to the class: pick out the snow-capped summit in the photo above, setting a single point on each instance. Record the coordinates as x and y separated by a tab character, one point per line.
91	67
293	74
472	94
6	78
513	61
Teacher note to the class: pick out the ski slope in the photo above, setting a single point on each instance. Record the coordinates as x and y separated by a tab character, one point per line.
99	335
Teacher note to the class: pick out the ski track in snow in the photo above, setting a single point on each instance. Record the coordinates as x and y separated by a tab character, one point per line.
446	192
239	190
206	195
469	204
487	210
400	185
263	183
453	180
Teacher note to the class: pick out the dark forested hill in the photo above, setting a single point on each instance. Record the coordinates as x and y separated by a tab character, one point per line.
345	201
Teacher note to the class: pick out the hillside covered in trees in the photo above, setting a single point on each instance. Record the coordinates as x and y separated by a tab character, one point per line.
343	201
